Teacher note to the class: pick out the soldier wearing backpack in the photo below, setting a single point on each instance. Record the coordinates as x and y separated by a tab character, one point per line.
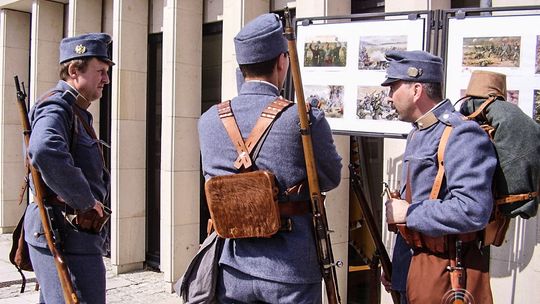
281	268
446	198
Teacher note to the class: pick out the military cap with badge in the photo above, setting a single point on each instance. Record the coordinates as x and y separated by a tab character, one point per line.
84	46
414	66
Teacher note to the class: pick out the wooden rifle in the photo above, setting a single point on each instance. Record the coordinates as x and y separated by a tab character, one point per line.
46	213
320	222
373	230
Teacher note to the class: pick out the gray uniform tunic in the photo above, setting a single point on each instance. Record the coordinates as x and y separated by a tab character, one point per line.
286	257
465	200
72	170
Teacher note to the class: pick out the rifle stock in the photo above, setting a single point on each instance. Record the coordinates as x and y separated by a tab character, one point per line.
320	222
373	230
46	214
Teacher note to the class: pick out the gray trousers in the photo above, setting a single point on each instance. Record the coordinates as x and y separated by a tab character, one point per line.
237	287
87	274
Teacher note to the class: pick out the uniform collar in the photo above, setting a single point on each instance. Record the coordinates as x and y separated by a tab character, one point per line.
77	98
259	88
431	117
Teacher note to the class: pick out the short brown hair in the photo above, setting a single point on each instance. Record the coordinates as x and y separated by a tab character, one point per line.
433	90
80	64
258	69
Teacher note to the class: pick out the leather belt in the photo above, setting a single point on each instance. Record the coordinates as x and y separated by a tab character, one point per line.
53	200
294	208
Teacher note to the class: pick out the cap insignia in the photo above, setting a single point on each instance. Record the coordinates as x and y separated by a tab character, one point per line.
414	72
80	49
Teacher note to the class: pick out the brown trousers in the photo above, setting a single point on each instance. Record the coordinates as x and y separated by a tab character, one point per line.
428	281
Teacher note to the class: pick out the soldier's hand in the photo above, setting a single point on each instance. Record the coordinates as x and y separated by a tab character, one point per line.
99	208
396	211
387	284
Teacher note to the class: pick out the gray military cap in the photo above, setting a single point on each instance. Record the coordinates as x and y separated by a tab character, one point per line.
87	45
260	40
415	66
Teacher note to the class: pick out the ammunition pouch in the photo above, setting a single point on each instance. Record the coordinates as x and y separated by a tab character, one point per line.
90	221
495	231
244	205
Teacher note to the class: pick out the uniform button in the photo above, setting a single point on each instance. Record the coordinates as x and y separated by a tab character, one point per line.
445	116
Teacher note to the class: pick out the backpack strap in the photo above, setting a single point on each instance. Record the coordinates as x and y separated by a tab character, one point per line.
512	198
229	122
89	129
440	159
482	107
245	148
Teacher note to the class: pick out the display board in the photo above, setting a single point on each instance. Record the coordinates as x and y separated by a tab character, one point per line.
503	44
343	65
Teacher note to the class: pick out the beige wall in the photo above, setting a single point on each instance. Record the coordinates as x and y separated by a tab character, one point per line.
14	52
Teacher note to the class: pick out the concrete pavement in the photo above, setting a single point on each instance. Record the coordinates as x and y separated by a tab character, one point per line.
144	286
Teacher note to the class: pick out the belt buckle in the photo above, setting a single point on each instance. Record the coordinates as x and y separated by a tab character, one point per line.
286	224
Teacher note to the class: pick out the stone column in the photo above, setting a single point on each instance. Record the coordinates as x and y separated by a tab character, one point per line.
14	53
180	159
235	15
47	31
128	138
337	201
85	17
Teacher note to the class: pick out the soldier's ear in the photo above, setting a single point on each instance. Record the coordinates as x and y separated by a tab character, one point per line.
72	71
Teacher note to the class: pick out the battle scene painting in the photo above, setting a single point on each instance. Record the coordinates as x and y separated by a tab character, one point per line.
372	49
512	96
491	51
328	98
325	51
536	106
372	103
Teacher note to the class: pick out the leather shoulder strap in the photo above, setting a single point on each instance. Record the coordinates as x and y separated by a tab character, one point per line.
244	149
229	122
440	158
89	129
267	118
482	107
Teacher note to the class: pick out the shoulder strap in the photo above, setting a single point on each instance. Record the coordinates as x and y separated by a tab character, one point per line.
229	122
440	158
482	107
245	148
89	129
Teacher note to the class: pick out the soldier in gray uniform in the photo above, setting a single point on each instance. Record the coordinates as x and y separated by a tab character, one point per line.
71	164
464	203
283	268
